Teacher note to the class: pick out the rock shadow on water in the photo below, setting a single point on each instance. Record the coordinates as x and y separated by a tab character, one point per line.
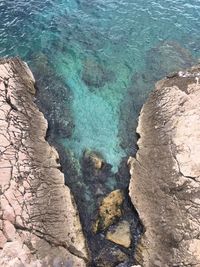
53	97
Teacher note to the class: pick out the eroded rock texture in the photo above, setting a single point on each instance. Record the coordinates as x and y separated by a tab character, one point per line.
39	224
165	183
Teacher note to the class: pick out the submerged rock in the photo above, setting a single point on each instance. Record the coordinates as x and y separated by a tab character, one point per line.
95	74
167	57
53	97
39	221
110	257
93	159
165	184
120	234
41	63
109	211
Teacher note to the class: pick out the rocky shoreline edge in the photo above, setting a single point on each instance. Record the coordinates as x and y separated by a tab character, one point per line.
40	224
165	175
39	220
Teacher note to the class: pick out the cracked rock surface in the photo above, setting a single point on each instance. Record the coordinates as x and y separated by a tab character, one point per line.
39	222
165	183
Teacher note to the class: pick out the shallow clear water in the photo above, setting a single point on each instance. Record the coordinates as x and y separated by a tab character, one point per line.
114	34
96	61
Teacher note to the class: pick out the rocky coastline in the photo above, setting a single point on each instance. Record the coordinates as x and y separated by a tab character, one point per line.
164	187
39	220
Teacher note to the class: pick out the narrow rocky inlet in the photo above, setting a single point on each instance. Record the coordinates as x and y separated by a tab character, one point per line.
40	223
74	190
39	218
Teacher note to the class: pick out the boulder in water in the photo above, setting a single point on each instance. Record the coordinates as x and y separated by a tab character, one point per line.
93	159
109	211
120	234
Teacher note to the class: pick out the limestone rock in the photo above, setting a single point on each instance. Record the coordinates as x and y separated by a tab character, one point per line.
39	223
120	234
109	210
165	184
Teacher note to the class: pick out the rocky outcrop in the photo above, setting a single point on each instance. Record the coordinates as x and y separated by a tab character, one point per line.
165	183
109	211
120	234
39	223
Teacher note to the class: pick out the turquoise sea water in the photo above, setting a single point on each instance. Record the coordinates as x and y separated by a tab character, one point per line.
108	36
95	62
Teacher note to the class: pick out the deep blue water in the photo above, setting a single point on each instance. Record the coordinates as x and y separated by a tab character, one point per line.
95	62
